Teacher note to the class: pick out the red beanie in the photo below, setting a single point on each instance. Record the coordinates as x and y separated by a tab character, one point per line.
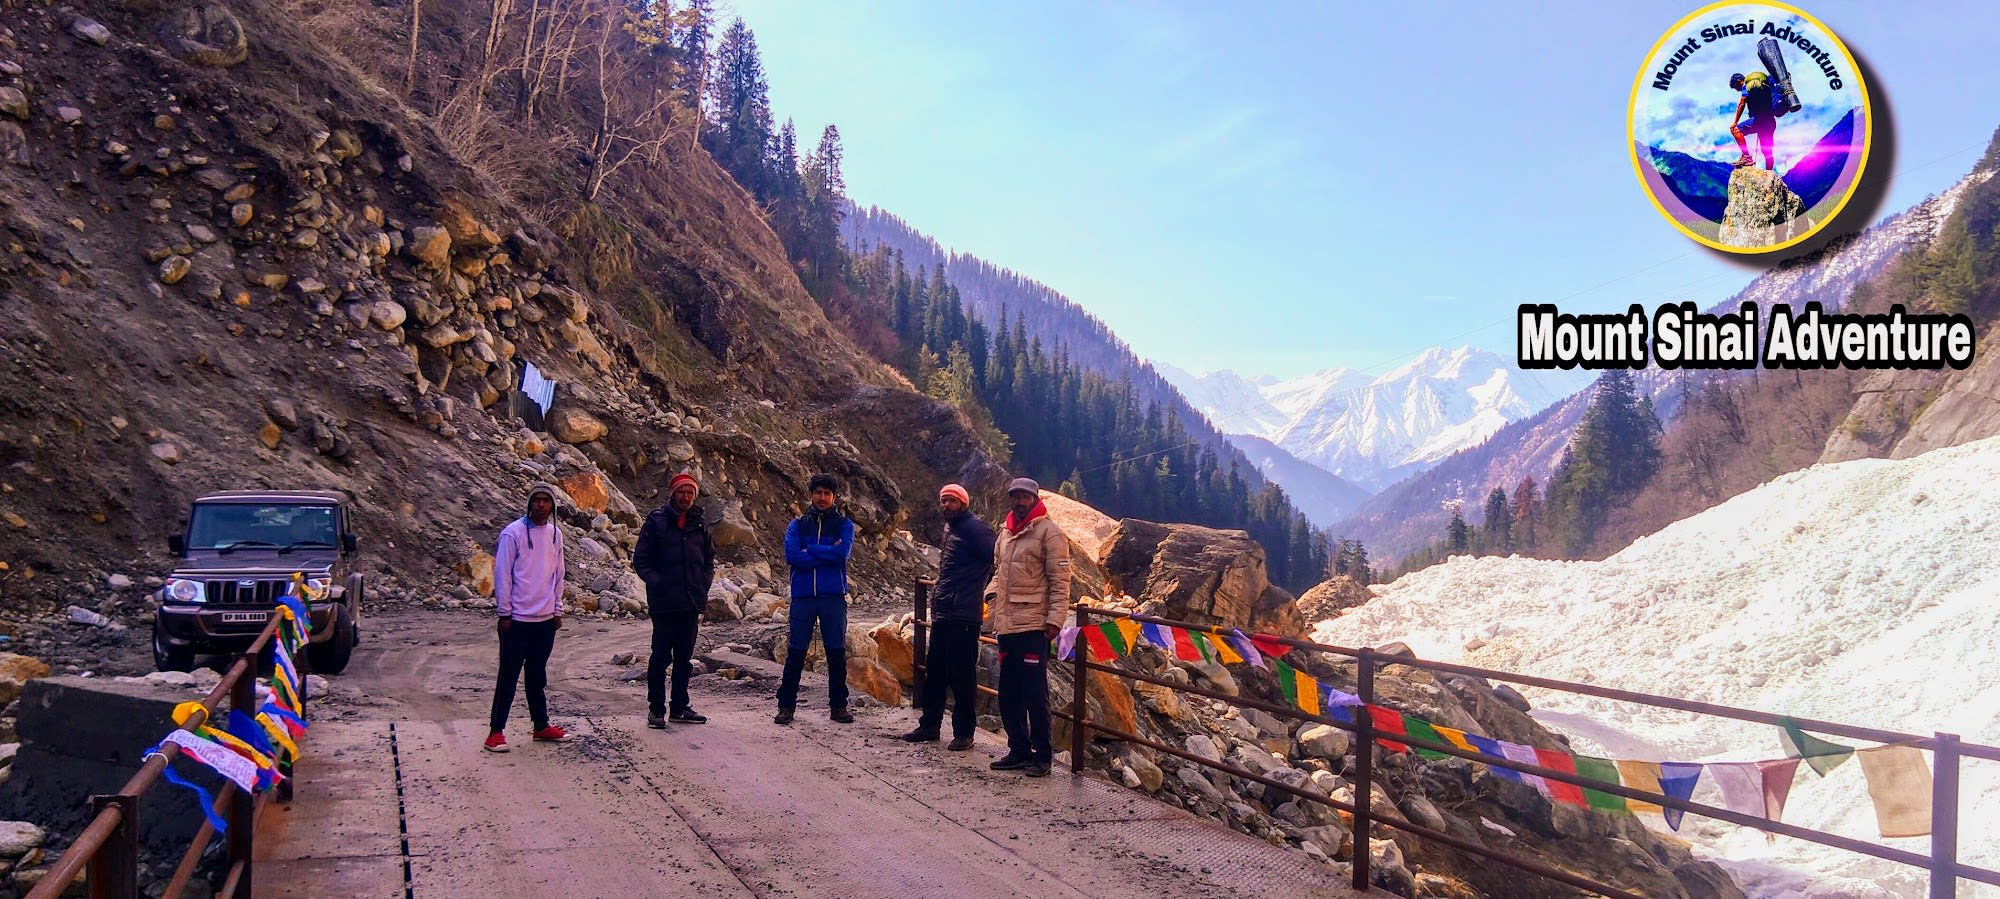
683	478
956	492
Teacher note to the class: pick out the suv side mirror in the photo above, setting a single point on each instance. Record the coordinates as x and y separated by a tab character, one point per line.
349	542
177	543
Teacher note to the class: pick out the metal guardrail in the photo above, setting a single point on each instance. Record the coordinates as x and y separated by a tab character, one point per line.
106	853
1947	751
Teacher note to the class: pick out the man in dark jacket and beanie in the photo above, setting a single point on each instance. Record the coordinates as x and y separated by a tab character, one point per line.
965	563
676	559
817	545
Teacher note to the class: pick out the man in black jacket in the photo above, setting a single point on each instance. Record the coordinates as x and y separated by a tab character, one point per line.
964	566
676	559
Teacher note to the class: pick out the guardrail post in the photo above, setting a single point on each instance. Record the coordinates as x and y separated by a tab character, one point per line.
243	806
920	637
1944	818
1077	705
1364	763
114	870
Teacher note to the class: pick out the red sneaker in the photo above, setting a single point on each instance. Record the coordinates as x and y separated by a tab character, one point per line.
552	734
496	743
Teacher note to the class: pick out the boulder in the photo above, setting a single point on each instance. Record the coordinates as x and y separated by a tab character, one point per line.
1111	702
1324	741
865	675
205	35
16	671
730	527
90	30
894	652
1197	574
14	103
429	245
476	571
588	489
18	838
387	314
722	602
1331	597
575	426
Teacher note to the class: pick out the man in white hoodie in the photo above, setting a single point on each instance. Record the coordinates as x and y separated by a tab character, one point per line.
527	592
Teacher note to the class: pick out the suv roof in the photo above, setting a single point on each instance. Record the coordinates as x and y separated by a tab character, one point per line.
273	496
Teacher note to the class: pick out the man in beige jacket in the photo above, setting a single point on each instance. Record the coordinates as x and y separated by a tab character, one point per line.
1029	598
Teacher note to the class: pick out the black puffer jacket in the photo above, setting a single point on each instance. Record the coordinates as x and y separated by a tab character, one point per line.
676	559
965	564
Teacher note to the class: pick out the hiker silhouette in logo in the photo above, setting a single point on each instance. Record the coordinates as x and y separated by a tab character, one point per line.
1756	113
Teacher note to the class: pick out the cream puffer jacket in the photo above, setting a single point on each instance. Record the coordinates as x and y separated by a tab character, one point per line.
1030	585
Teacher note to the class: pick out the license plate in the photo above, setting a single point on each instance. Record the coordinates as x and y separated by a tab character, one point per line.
245	617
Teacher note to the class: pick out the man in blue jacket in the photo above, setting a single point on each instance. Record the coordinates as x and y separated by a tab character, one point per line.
817	545
965	564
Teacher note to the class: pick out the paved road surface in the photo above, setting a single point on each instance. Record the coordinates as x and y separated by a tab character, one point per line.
396	798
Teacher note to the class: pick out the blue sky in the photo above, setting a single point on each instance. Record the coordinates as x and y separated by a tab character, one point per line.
1304	185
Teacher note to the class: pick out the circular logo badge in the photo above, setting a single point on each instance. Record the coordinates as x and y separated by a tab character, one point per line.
1749	126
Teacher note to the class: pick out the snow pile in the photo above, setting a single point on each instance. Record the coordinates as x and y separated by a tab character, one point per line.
1861	592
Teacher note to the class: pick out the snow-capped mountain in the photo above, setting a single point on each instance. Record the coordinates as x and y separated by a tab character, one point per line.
1858	592
1377	430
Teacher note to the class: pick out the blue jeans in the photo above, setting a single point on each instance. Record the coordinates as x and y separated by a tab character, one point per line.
830	613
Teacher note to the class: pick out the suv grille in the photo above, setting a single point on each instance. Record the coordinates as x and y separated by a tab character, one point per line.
236	592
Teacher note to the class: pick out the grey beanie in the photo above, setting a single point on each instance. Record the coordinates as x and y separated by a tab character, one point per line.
1027	484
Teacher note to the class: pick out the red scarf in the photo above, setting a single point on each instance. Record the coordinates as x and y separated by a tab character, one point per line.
1015	523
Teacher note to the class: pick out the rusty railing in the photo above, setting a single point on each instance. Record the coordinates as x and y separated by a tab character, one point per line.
108	847
1947	751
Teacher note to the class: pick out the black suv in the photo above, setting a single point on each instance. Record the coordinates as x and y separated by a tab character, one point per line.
238	555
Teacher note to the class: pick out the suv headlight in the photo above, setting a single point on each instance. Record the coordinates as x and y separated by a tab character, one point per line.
319	584
181	589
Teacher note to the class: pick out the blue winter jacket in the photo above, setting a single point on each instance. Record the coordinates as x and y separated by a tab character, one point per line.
817	545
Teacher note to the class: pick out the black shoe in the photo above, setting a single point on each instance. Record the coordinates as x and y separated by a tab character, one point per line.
842	715
784	716
921	735
656	720
1036	769
959	744
1011	762
687	716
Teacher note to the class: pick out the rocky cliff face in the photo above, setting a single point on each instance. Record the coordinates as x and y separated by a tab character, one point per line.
1762	211
1197	574
257	269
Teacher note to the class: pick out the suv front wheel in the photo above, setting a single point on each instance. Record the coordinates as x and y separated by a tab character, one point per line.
330	657
165	656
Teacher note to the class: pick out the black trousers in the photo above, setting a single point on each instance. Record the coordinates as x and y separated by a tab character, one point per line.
952	664
1024	694
525	646
673	642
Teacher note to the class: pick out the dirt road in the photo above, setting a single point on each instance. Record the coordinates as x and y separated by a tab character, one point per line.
396	798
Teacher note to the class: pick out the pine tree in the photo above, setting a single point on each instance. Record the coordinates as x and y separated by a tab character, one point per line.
1526	510
1458	537
742	104
1497	530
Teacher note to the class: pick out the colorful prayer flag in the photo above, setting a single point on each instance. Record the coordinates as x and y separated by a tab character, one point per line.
1899	781
1306	688
1330	698
1114	636
1776	776
1606	771
1247	648
1640	776
1184	648
1455	737
1288	683
1066	642
1822	755
1515	752
1224	652
1492	747
1677	780
1387	721
1100	644
1159	635
237	769
1129	629
1742	786
1559	790
1422	730
1269	645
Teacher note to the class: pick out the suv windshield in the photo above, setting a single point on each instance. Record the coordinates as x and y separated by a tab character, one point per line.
230	526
